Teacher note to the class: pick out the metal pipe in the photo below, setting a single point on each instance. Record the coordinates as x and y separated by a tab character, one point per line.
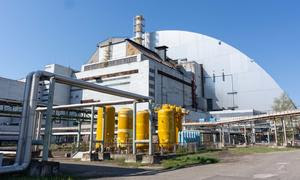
28	114
103	128
47	132
134	129
91	132
25	149
26	97
70	106
94	87
150	126
144	141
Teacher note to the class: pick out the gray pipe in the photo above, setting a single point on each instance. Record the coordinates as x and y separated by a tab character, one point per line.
29	110
28	114
24	114
94	87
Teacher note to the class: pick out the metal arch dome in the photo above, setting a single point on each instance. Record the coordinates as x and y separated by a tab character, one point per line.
246	86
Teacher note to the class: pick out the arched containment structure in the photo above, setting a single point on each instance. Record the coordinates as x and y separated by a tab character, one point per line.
232	80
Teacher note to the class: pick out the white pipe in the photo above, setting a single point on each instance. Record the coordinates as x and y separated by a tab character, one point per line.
24	115
70	106
94	87
28	113
91	133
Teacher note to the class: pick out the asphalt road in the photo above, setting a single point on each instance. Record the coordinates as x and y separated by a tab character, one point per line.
270	166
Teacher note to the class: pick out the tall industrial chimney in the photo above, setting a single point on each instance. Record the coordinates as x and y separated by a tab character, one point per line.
138	29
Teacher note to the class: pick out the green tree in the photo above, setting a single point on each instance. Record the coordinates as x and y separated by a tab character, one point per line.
283	103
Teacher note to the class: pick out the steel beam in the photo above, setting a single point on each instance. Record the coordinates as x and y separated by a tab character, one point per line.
150	126
78	135
47	135
91	132
103	129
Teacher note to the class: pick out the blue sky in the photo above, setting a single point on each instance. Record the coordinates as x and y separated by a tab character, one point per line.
36	33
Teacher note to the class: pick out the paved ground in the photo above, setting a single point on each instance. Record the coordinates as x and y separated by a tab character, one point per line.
279	165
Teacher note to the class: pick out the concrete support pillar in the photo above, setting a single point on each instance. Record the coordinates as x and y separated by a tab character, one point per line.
293	131
275	133
245	134
284	132
253	133
220	137
78	135
134	129
214	138
229	135
103	128
268	137
223	137
91	132
150	127
48	125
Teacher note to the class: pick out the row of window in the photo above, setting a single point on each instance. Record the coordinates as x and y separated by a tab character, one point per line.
110	63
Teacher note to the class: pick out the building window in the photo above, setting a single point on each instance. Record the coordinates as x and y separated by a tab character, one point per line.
152	70
152	86
152	94
151	78
223	76
209	104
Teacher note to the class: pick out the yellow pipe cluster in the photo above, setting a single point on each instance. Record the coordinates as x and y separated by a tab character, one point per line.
169	124
109	126
124	136
142	128
124	127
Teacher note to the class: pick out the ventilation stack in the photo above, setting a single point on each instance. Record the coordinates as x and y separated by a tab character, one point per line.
138	29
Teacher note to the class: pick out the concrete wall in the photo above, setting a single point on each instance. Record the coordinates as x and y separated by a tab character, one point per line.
62	92
11	89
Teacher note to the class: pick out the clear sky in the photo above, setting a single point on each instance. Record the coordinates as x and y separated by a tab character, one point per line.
36	33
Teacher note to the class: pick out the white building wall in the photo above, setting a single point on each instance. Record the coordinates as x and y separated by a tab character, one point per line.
11	89
136	83
61	92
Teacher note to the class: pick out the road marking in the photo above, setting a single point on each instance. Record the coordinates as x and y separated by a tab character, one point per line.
281	166
263	176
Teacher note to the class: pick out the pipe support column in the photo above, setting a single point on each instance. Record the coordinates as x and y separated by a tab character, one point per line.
47	132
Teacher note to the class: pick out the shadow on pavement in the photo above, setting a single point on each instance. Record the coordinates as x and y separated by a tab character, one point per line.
98	171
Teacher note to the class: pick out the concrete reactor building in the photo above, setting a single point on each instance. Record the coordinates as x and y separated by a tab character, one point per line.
198	72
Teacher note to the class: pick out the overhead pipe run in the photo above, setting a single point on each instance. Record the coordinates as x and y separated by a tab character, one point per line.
23	154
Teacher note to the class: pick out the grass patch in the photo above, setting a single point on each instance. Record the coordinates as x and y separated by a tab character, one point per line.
188	160
256	149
